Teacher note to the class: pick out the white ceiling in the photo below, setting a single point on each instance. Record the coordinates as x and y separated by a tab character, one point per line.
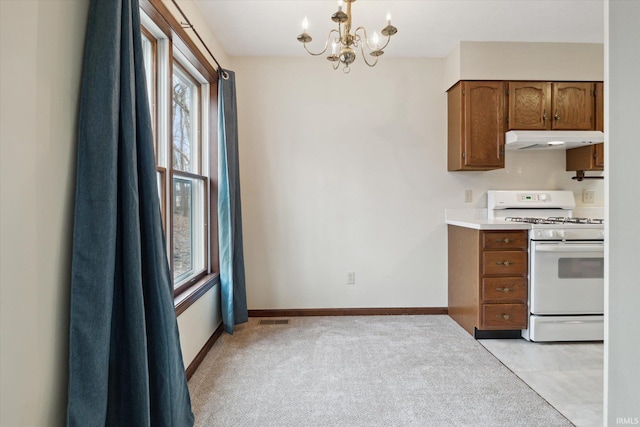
426	28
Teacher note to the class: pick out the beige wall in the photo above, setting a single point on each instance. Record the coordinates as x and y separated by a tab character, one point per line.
348	173
622	283
193	12
525	61
41	49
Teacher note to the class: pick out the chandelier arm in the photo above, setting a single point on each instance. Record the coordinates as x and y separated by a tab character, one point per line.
366	40
364	57
326	45
386	44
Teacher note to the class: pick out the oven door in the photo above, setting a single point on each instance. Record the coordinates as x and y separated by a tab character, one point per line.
566	277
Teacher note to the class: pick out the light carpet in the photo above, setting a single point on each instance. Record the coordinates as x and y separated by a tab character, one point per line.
361	371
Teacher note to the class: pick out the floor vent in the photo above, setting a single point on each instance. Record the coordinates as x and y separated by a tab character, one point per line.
274	321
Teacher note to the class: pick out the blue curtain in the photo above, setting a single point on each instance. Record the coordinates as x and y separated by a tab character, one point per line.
232	278
125	363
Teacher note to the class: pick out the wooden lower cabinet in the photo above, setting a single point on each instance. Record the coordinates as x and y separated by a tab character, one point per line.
488	279
503	316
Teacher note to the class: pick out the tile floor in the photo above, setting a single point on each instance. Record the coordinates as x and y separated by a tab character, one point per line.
567	375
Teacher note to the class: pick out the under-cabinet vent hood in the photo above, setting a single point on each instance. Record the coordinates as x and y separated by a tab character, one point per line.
551	139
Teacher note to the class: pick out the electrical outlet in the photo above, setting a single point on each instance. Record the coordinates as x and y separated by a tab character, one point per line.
351	278
588	196
468	196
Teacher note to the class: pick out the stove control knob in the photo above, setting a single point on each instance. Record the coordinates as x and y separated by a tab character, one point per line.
543	197
548	233
561	234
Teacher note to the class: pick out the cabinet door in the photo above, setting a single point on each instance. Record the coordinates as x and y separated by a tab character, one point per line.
573	106
598	158
589	158
529	105
484	124
599	95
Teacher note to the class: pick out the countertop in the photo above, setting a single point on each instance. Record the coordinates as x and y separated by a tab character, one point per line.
488	224
477	219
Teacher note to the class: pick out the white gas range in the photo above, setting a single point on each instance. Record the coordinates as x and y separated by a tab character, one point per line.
566	264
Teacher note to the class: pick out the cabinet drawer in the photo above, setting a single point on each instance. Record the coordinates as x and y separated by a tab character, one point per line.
504	263
504	240
504	289
504	316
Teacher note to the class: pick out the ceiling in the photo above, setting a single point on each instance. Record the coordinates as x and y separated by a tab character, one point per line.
426	28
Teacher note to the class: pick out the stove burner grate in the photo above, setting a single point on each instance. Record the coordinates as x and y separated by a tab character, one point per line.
554	220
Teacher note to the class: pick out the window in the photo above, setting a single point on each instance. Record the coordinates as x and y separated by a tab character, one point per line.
185	121
181	89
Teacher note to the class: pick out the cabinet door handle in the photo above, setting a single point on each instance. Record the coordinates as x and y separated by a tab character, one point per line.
544	116
557	117
504	263
502	316
505	240
505	290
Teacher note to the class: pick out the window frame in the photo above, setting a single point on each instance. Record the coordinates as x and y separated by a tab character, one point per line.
156	14
153	86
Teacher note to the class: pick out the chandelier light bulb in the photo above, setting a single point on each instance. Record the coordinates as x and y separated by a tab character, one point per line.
305	24
334	48
388	18
339	5
375	40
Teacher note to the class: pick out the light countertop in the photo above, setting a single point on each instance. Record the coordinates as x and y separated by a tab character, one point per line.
488	224
477	219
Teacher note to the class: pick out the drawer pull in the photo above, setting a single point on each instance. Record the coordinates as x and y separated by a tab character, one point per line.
502	316
505	240
505	290
506	263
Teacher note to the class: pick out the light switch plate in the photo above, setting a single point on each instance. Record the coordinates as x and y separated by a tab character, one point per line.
351	278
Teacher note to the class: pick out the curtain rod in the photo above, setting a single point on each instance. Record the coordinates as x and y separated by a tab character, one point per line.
188	24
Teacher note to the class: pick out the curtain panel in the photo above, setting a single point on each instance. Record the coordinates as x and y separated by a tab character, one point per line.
232	275
125	362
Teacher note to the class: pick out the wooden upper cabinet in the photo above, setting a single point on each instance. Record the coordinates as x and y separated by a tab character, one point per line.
598	161
599	88
553	105
476	125
480	112
591	157
588	158
529	105
573	106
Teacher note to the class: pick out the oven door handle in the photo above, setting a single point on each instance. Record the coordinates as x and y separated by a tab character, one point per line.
569	247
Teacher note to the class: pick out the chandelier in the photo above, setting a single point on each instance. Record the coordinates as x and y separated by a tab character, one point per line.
344	43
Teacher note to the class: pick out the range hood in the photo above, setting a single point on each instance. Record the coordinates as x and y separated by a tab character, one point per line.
551	139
